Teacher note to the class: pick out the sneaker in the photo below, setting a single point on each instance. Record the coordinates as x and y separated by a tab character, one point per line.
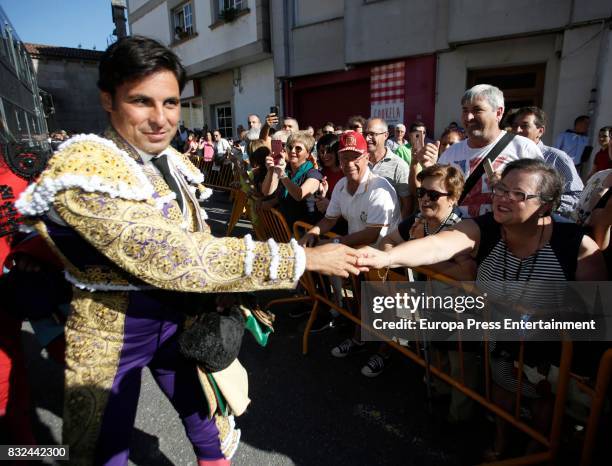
374	367
348	346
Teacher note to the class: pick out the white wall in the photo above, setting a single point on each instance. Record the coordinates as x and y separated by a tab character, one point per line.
477	19
453	67
577	75
257	94
133	5
208	42
212	42
603	116
155	24
216	89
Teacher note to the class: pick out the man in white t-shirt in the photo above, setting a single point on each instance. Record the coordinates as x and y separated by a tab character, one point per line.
482	110
366	201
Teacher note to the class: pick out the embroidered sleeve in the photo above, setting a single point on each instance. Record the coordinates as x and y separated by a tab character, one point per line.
136	237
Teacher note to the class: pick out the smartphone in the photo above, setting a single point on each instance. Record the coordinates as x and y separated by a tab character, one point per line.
277	148
488	168
274	109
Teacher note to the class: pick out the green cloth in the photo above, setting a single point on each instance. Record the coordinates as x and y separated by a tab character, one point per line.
404	153
260	334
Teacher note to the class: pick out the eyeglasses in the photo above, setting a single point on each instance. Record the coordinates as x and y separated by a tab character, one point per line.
514	196
345	160
356	127
431	194
372	134
297	149
328	132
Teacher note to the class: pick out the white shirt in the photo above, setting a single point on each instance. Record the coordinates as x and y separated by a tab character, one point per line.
222	146
478	201
374	204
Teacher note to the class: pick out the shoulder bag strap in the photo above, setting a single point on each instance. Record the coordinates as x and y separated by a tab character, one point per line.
479	170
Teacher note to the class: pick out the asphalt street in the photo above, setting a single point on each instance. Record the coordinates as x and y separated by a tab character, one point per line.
305	410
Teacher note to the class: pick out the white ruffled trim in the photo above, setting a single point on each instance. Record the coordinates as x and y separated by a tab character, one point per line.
205	194
274	260
163	200
189	174
299	258
249	255
102	286
203	213
38	197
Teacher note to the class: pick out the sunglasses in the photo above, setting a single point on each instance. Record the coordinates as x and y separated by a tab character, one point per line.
431	194
297	149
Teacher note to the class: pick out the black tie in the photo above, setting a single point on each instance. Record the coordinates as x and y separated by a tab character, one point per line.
161	163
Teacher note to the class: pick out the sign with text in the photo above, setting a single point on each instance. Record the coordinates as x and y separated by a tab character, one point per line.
387	83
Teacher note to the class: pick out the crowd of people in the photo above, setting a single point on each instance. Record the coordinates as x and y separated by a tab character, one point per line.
487	202
416	201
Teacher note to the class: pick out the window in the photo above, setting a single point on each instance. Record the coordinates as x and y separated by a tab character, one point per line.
235	4
183	21
223	120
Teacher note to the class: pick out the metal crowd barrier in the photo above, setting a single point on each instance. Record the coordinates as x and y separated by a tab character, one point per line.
318	292
216	175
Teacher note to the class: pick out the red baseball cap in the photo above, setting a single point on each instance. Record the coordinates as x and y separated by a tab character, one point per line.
353	141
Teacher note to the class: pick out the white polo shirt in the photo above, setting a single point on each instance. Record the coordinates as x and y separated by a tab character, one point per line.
374	204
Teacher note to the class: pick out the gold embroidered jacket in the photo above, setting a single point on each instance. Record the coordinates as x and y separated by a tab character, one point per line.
125	210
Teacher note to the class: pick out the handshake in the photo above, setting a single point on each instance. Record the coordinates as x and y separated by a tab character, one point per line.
340	260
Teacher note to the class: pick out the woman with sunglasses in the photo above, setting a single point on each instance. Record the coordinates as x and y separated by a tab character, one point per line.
441	187
295	181
518	242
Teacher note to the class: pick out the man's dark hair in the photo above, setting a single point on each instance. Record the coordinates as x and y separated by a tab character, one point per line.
356	119
581	118
136	57
416	125
540	119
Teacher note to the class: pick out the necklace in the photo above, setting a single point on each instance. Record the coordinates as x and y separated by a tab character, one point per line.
442	225
520	267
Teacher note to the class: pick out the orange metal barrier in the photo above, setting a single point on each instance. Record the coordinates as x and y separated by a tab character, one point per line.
550	442
598	394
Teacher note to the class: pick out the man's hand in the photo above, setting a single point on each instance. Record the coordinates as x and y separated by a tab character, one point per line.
428	154
332	259
322	203
272	119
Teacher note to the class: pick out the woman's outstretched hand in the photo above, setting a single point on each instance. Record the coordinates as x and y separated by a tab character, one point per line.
370	258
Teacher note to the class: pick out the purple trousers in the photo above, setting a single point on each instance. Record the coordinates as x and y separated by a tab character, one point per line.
150	340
